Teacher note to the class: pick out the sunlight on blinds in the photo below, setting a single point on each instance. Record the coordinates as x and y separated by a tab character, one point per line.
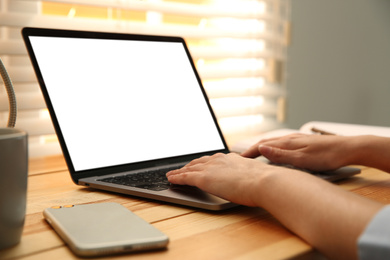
238	47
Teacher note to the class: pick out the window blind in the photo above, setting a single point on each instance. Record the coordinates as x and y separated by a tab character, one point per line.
238	47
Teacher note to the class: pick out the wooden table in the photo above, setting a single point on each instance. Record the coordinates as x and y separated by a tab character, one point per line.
239	233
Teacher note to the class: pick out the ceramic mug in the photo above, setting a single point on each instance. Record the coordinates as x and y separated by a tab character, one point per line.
13	185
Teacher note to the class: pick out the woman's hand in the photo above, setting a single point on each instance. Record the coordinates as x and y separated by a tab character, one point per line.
229	176
313	152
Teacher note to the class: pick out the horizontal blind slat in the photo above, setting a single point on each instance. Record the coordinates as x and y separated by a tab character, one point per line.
21	74
184	9
242	87
25	101
35	126
219	53
236	128
12	47
22	20
218	73
243	106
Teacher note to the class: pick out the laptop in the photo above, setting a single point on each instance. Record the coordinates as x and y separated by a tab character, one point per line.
126	109
123	104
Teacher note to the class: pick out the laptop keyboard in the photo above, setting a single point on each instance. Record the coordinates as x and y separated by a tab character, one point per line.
155	180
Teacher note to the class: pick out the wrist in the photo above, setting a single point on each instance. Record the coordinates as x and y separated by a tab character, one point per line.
270	185
360	148
355	148
372	151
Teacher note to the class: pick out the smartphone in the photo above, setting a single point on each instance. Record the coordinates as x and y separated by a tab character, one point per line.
103	229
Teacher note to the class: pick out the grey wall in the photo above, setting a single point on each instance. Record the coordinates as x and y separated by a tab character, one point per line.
338	65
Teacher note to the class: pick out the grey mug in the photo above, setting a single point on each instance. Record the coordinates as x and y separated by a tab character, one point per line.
13	185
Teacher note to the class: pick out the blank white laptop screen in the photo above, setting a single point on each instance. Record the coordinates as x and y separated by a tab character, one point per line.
124	101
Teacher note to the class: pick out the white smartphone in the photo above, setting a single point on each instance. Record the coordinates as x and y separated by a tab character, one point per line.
103	229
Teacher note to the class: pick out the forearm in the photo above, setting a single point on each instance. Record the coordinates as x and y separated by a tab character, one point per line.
372	151
326	216
323	214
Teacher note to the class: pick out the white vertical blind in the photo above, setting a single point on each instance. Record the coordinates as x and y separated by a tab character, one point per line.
237	45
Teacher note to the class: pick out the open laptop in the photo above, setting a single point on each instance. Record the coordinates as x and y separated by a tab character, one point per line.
126	108
122	104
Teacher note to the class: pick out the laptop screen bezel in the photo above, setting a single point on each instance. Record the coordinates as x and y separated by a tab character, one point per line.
76	175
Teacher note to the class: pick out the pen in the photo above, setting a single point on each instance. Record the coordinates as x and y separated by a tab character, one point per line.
322	132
